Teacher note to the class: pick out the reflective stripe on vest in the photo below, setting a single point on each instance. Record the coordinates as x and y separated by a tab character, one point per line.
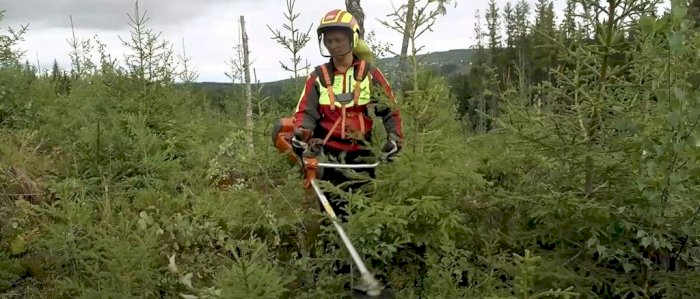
341	93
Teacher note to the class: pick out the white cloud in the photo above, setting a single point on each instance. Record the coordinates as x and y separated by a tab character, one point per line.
105	14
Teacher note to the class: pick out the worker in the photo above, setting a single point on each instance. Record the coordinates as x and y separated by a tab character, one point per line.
334	106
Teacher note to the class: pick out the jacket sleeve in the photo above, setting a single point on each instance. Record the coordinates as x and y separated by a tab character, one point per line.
306	115
387	109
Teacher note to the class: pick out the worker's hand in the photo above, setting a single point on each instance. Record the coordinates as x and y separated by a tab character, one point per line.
299	146
299	141
391	149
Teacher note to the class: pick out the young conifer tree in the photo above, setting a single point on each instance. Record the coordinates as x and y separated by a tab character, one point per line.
188	74
150	57
294	41
80	55
619	142
9	53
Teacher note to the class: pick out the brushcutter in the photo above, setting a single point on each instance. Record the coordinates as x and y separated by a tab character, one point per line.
282	134
370	287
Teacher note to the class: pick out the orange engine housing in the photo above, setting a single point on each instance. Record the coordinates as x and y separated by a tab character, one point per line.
282	133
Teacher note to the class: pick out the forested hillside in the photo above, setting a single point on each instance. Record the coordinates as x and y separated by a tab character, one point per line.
564	164
449	64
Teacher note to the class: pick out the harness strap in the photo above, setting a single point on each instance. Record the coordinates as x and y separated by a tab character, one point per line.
360	73
360	76
342	126
329	85
330	132
362	122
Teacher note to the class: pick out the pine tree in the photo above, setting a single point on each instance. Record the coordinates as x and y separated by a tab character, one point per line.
544	38
30	70
55	71
493	67
493	26
523	44
479	77
568	26
509	27
60	80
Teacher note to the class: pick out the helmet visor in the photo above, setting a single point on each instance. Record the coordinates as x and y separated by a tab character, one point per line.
335	42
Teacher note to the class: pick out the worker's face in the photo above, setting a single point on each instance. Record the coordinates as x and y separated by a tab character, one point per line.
337	42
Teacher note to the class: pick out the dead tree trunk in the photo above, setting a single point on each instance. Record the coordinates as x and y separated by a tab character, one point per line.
354	8
408	29
248	91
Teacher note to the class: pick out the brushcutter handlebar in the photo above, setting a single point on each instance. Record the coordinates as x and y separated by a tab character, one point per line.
348	166
311	165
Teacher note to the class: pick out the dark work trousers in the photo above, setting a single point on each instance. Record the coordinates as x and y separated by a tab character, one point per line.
344	178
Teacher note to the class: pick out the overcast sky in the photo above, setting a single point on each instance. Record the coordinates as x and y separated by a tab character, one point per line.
210	28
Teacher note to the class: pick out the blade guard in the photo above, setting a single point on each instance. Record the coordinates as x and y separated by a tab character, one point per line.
311	168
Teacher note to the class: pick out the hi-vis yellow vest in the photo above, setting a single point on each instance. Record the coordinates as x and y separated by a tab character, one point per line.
346	90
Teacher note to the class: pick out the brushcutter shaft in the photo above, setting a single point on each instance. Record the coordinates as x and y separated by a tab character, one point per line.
370	285
341	231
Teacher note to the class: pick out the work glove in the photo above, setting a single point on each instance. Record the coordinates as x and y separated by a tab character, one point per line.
300	140
391	149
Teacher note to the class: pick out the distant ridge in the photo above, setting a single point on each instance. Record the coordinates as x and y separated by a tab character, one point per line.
447	63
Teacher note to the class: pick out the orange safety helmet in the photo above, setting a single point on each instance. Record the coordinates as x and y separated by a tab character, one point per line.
339	19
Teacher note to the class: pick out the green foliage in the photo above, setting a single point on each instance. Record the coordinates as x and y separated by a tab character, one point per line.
9	54
605	148
583	186
150	58
527	266
293	43
250	276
